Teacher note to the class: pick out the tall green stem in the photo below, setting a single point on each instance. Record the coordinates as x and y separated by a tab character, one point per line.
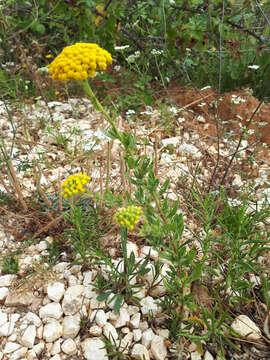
99	107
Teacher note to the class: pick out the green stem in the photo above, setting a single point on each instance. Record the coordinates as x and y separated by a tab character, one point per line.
124	245
99	107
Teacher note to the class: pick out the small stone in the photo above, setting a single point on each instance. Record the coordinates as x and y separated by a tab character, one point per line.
39	348
95	330
55	291
87	278
137	335
51	310
7	328
15	299
7	280
40	332
122	319
73	299
52	331
135	320
110	332
93	349
195	356
207	356
42	246
145	250
140	352
148	305
56	348
71	326
56	357
126	342
101	318
11	347
147	336
3	318
61	267
132	247
163	333
69	347
158	348
89	292
19	354
32	318
3	293
246	327
28	338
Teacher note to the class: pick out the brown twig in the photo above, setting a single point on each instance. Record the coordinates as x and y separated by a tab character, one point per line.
15	183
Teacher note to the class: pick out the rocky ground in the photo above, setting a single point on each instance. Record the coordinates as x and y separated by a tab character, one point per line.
53	312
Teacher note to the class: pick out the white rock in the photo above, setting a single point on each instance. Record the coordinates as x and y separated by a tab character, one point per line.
137	335
7	328
40	332
56	348
89	292
39	348
141	293
19	354
133	309
87	278
135	320
126	343
32	318
3	318
55	291
122	319
12	338
56	357
170	141
42	246
140	352
69	347
101	318
11	347
93	349
52	331
195	356
73	299
163	333
71	326
95	330
143	326
3	293
6	280
72	280
246	327
75	269
158	348
51	310
207	356
132	247
61	267
148	306
28	337
110	332
147	336
237	181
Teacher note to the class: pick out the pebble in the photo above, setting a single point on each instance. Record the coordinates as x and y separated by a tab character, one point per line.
93	349
158	348
52	331
55	291
139	352
244	326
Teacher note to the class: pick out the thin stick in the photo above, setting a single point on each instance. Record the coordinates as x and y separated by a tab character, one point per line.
156	157
16	185
60	200
108	166
45	228
122	171
101	186
4	185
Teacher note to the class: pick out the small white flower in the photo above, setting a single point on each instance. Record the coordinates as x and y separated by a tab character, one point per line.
262	124
237	99
149	111
131	58
255	67
181	120
172	2
117	67
174	110
130	112
202	104
250	131
167	79
43	70
156	52
119	48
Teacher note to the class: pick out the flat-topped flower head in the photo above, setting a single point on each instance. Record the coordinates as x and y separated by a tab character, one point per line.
128	217
79	62
74	184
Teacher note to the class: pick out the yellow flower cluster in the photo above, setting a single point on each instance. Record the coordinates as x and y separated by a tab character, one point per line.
79	62
74	184
129	216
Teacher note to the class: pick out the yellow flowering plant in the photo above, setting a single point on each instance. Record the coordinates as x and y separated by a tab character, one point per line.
74	184
80	62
